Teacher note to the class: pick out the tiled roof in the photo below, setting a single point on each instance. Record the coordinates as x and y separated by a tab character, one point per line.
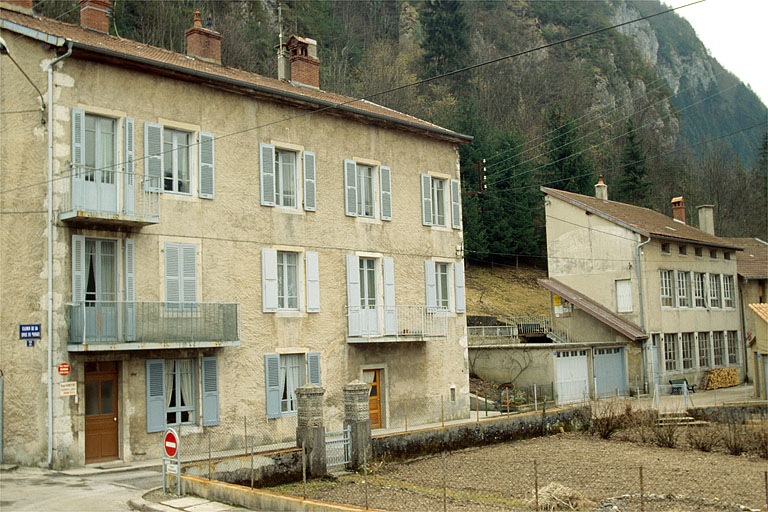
752	263
760	310
640	220
597	311
159	58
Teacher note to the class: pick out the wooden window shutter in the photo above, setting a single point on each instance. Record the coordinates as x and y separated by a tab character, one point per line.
312	272
78	156
426	199
458	281
313	367
155	395
310	182
455	204
350	187
130	290
153	157
430	283
272	375
390	311
354	313
267	174
189	272
78	268
172	272
385	177
269	280
210	391
129	155
206	163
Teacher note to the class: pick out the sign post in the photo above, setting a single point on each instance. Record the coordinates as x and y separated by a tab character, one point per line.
172	458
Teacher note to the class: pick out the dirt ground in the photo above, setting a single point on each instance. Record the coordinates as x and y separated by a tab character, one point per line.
501	477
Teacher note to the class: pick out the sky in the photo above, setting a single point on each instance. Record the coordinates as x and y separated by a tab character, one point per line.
736	33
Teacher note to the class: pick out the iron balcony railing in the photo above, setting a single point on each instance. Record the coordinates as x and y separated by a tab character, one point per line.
509	333
398	322
152	322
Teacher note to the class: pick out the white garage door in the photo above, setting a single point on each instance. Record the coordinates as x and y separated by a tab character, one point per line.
572	376
610	372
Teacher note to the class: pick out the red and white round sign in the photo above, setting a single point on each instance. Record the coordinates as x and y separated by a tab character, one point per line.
64	369
170	443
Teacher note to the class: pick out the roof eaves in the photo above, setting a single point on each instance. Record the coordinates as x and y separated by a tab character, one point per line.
32	33
693	241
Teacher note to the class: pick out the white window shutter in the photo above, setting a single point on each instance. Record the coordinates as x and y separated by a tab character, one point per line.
78	155
313	367
390	311
350	187
267	174
455	204
354	313
207	167
623	296
210	391
430	283
78	268
155	395
189	273
269	280
310	182
385	178
129	155
458	281
426	199
130	290
153	157
272	375
172	272
312	272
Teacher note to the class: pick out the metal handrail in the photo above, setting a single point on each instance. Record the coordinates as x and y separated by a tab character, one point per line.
401	321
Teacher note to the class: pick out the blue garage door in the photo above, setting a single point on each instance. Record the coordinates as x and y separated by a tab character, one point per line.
610	371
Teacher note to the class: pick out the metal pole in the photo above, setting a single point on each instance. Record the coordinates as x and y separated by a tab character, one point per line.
535	399
304	466
507	401
445	493
365	472
765	475
245	432
485	399
209	455
405	410
442	410
536	481
252	441
642	499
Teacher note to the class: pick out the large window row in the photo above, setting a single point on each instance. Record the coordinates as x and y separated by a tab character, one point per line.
684	289
699	350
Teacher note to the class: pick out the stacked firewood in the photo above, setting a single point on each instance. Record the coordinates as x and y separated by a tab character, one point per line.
720	378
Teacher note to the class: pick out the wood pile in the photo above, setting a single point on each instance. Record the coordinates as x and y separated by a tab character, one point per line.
720	378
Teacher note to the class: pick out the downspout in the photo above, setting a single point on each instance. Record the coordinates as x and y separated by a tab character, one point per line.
642	309
50	249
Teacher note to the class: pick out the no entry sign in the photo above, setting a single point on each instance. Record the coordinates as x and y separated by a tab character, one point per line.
64	369
170	444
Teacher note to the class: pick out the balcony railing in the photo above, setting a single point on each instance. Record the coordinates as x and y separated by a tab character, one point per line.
396	323
109	196
511	332
145	325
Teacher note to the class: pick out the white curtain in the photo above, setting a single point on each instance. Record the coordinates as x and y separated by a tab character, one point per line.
186	368
169	373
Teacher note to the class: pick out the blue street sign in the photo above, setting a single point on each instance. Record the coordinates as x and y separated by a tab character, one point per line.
29	331
30	343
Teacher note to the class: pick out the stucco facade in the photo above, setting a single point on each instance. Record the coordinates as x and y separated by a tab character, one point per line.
227	233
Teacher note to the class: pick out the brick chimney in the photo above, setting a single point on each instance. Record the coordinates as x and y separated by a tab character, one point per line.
678	209
707	218
303	65
203	43
601	189
24	6
94	15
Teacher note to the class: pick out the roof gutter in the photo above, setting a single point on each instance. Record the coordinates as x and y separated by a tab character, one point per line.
31	33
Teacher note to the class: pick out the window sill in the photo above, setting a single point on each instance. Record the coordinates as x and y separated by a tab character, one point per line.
289	313
288	209
180	196
368	220
187	429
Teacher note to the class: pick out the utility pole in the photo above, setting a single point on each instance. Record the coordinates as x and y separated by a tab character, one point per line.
481	177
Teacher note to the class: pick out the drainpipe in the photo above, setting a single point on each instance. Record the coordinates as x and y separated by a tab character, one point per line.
642	309
50	249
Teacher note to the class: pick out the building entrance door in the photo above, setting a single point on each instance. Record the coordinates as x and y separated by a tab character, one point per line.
373	378
101	419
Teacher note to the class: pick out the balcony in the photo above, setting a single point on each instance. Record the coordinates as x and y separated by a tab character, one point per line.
105	326
385	324
107	197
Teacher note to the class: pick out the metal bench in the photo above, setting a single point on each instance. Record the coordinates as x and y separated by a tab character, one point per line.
678	383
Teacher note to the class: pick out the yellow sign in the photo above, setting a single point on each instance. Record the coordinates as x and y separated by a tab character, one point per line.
557	300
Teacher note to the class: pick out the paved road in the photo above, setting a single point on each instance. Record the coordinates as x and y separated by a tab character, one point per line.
40	489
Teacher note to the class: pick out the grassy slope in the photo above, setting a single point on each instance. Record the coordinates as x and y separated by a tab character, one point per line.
503	291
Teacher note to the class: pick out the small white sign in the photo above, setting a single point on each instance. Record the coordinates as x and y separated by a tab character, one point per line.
170	467
68	389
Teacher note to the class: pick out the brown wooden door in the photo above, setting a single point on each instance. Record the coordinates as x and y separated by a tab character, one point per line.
373	378
101	421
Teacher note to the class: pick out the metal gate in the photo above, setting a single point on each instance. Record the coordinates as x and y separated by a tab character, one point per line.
337	447
610	372
572	376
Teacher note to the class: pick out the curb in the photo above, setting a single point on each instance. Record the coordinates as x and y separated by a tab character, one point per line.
139	503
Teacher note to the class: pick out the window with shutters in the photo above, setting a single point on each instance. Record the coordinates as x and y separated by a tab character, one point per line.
715	299
281	177
286	184
623	296
699	290
169	160
367	190
176	161
704	361
667	297
180	275
99	149
282	280
287	281
438	202
718	346
683	289
292	376
441	282
284	373
180	391
728	292
670	352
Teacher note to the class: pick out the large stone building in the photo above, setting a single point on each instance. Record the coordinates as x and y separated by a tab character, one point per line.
195	242
663	292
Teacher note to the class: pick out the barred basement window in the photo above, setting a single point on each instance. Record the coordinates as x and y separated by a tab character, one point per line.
718	344
687	342
733	353
670	352
703	349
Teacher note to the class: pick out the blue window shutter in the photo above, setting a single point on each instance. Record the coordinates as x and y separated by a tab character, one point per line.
390	311
155	395
310	182
129	155
206	163
267	174
350	187
313	367
455	204
130	290
210	391
172	272
78	268
312	273
426	199
188	272
272	373
430	283
354	313
78	155
269	280
385	186
153	157
458	281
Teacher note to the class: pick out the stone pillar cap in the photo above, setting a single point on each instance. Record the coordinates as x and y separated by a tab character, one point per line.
356	384
310	388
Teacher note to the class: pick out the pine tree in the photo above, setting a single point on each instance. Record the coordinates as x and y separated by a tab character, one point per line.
568	168
446	36
633	185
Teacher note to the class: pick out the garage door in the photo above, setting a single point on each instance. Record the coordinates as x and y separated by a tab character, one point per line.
572	376
610	371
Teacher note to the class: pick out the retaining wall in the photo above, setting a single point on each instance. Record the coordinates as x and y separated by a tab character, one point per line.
268	468
730	413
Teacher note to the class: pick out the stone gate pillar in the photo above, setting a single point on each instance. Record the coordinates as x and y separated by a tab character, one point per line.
357	417
310	429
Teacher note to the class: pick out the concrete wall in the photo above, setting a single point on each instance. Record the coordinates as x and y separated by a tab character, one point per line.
758	352
229	232
517	364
